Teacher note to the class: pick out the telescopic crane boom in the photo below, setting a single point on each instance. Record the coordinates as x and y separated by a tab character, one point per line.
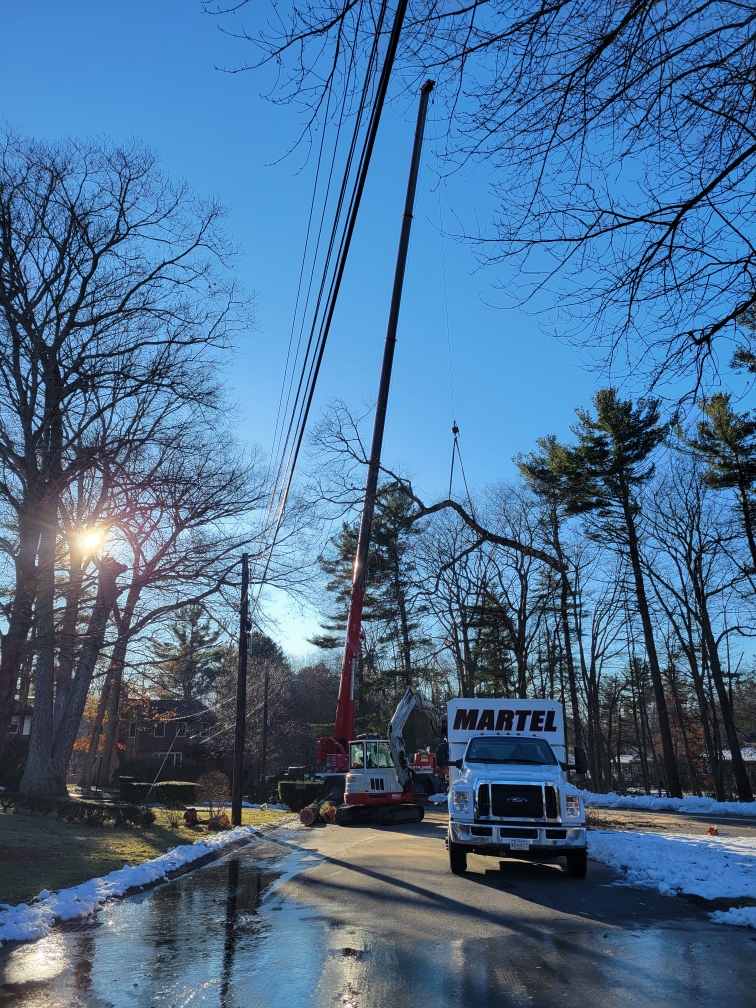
333	752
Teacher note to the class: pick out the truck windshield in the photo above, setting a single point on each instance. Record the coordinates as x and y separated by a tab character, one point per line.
510	750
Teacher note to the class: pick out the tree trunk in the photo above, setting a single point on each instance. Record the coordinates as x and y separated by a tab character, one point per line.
14	642
67	636
564	617
38	773
688	757
739	772
672	777
107	593
117	665
85	781
640	737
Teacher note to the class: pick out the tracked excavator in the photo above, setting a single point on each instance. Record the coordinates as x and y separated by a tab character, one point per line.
380	782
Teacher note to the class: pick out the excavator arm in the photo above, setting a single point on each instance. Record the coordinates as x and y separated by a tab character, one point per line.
412	698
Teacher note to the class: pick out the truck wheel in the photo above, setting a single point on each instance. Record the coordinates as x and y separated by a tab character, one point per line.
457	858
577	863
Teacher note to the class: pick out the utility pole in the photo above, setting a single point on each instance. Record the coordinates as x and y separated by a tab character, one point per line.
264	744
344	727
241	697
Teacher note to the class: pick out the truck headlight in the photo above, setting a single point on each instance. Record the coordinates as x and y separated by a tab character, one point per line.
461	801
572	803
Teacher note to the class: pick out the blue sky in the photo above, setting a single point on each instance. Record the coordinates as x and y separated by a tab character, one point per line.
147	70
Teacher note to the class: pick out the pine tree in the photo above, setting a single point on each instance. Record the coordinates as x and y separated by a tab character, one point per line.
727	443
390	602
187	666
545	472
602	475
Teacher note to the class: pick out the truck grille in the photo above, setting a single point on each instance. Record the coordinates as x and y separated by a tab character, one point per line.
516	801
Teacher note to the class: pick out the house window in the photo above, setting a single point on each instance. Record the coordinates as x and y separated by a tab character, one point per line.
160	730
27	725
172	759
13	727
181	729
132	729
204	729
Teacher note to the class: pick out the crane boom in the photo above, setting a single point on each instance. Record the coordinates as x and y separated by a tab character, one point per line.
333	751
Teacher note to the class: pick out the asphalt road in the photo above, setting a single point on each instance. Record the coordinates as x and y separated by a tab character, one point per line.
372	918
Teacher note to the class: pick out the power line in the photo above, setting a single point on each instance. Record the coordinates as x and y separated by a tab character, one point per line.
342	231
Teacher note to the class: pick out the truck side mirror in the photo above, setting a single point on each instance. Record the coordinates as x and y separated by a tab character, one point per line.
456	763
581	760
442	755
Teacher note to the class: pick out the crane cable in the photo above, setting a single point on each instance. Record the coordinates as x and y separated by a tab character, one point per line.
456	451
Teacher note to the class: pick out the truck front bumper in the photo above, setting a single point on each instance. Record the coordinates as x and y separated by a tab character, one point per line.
495	839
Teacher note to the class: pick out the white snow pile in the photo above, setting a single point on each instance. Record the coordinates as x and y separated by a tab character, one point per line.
34	920
672	863
439	798
741	916
702	806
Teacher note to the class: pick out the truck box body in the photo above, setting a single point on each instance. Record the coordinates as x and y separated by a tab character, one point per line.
468	717
512	795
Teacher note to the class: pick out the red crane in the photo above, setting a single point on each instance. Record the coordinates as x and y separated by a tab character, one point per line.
333	752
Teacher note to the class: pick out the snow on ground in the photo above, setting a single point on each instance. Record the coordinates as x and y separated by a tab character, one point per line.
702	806
34	920
744	917
672	863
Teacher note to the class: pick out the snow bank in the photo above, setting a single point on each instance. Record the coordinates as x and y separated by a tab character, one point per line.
743	916
34	920
671	863
702	806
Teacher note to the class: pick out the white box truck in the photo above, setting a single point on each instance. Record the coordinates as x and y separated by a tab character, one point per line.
509	793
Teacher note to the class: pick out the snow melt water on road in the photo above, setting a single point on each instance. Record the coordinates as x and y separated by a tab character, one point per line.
34	920
672	863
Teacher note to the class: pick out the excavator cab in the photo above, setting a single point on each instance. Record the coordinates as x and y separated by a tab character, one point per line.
372	778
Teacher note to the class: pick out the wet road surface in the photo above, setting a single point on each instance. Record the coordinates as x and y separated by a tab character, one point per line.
372	918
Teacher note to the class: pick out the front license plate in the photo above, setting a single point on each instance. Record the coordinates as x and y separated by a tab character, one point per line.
519	844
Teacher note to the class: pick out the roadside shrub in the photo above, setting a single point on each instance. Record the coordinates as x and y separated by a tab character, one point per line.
39	805
297	794
135	769
96	815
214	789
175	814
132	815
176	792
134	792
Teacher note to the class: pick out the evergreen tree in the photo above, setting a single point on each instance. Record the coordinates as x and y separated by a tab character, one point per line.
187	666
602	476
727	443
545	473
390	602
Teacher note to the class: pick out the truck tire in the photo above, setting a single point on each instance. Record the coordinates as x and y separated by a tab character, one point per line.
457	857
577	863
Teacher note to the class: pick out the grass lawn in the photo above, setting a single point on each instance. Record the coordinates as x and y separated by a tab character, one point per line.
39	852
